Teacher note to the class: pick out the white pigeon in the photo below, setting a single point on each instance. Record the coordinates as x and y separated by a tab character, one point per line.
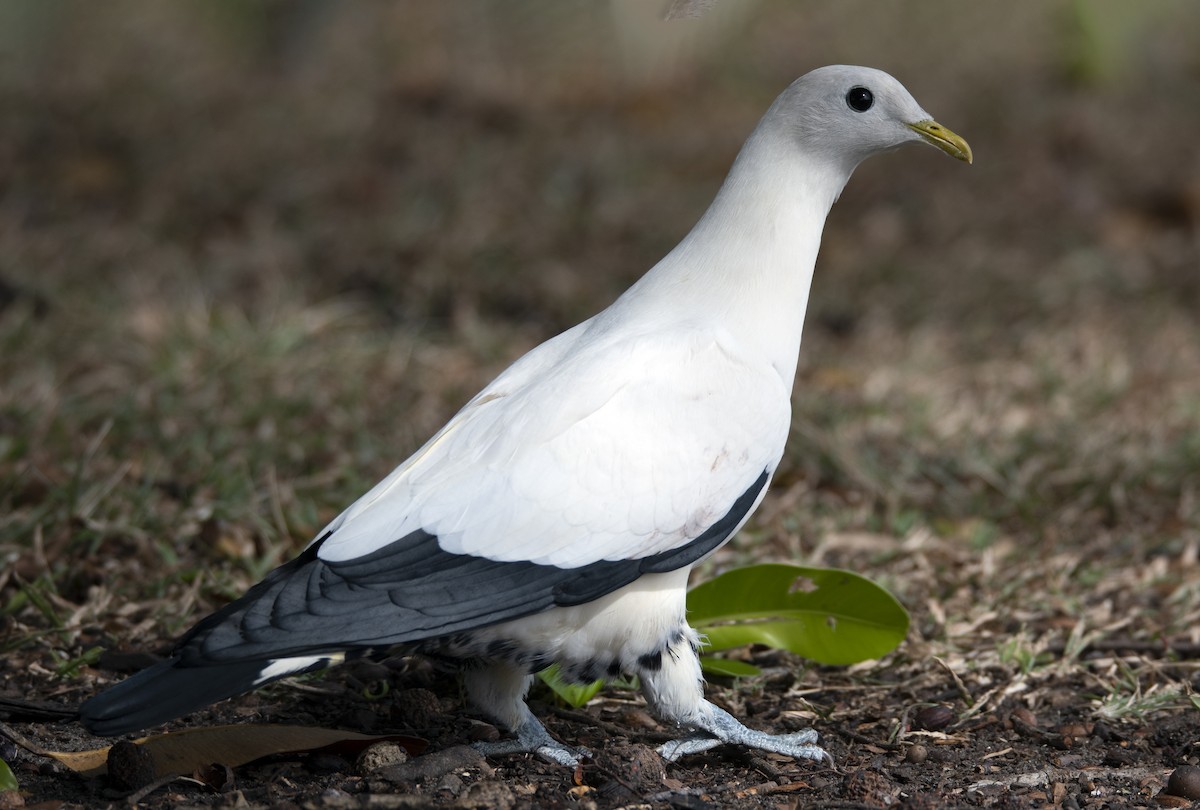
555	518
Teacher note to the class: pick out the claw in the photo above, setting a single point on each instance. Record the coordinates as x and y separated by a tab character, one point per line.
532	738
723	728
673	750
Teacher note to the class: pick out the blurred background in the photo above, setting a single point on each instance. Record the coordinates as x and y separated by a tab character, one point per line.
253	253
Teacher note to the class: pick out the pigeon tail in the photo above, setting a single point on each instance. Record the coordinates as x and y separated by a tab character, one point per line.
168	690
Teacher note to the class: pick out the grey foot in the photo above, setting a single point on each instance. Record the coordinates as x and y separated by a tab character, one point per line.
532	738
724	729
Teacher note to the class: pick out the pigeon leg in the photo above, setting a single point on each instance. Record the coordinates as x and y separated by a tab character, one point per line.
674	687
722	727
498	690
532	738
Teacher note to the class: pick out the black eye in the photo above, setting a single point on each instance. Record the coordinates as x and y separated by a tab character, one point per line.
860	99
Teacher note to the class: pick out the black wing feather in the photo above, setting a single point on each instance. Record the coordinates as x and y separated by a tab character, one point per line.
412	590
407	592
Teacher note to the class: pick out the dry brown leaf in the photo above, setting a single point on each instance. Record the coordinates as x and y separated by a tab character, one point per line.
183	752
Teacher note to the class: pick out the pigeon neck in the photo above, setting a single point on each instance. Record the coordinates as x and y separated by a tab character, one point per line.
749	261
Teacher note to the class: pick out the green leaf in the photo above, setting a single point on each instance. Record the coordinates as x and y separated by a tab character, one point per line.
824	614
573	694
828	615
7	780
728	667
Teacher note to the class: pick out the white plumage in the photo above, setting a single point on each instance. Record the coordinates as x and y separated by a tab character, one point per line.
556	516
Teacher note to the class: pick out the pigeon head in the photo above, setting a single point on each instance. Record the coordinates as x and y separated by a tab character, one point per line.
846	114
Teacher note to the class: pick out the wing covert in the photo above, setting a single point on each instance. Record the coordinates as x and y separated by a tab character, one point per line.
622	453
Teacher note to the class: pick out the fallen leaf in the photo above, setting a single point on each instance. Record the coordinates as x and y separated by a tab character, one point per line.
184	752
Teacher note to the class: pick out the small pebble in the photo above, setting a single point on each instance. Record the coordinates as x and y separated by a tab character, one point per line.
435	765
1185	782
1025	716
1119	758
916	754
11	799
418	708
933	718
380	755
870	788
645	768
1063	742
452	783
130	766
488	795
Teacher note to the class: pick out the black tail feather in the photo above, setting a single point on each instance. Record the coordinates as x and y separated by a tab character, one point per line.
166	691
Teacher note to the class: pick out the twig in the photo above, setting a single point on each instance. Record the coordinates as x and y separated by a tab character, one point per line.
134	798
21	742
854	736
1183	649
18	710
958	683
611	728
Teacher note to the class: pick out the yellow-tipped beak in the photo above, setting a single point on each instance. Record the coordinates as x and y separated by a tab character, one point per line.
937	135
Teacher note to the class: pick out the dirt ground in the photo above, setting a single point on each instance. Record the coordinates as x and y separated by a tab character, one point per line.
1006	756
251	256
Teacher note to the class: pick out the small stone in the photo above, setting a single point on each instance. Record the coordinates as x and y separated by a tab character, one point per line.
869	787
452	783
11	799
1119	757
916	754
380	755
130	766
933	718
419	708
488	795
1063	742
1025	716
435	765
1184	781
644	768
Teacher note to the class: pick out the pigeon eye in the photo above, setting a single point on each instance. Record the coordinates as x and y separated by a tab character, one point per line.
860	99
